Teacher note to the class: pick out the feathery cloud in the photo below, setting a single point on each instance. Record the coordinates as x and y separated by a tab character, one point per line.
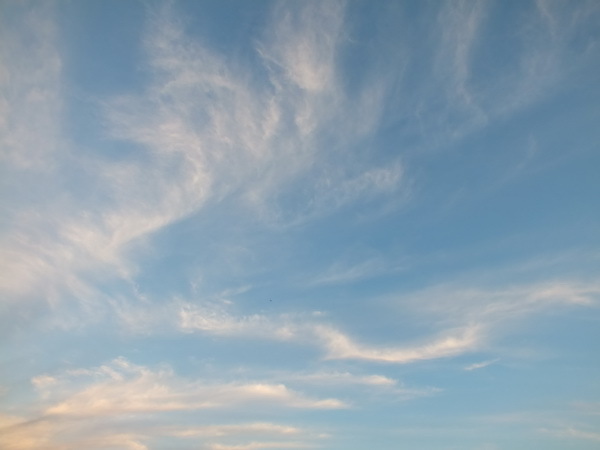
480	365
125	388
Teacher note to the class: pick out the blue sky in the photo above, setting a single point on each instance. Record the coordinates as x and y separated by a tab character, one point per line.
267	225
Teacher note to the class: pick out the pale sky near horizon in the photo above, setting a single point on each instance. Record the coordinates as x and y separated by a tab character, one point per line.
236	225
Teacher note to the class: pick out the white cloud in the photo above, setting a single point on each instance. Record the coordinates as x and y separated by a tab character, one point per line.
304	44
480	365
340	346
260	445
465	319
482	73
30	99
354	267
121	404
30	87
54	434
124	388
209	133
470	318
213	319
495	312
460	25
335	343
243	428
249	139
494	307
570	432
343	378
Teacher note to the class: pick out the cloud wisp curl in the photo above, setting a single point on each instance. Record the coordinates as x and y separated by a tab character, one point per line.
469	320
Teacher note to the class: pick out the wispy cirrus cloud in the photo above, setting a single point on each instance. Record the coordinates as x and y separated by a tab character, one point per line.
480	365
259	445
248	139
342	378
209	132
203	132
150	403
494	307
335	343
571	432
465	320
125	388
243	428
460	25
468	319
483	74
341	346
355	267
30	88
50	433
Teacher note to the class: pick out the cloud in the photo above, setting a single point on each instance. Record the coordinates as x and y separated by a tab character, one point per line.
340	346
467	319
245	139
495	307
124	388
121	404
53	433
571	432
30	87
480	365
260	445
341	273
335	343
56	246
462	320
202	131
460	24
304	44
30	98
243	428
214	319
353	266
482	73
343	378
373	386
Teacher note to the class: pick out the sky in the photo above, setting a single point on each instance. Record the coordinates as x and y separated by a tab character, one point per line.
240	225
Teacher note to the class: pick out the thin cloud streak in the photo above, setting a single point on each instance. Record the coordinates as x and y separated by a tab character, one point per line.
85	407
227	430
124	388
571	432
30	88
259	445
335	343
342	378
495	307
340	346
481	365
60	433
